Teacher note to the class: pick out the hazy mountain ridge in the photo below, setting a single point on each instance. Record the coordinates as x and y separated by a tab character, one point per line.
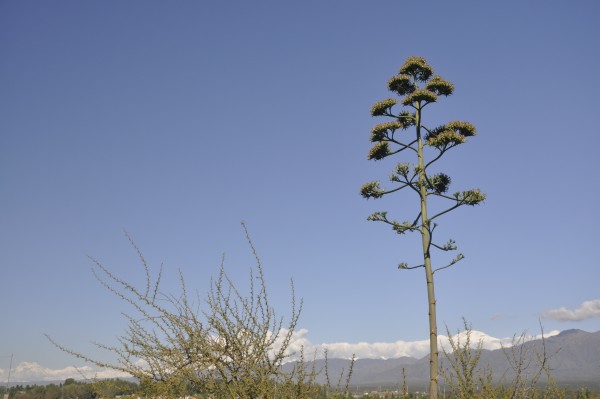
574	358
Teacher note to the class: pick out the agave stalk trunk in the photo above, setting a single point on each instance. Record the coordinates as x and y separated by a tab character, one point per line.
426	241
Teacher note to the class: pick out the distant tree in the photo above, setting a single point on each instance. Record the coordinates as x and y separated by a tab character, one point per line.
72	389
114	387
418	87
52	391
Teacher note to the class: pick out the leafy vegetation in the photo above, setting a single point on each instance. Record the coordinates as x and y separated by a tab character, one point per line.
233	349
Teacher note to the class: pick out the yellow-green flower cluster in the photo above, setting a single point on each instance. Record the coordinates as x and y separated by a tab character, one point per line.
470	197
450	134
381	131
383	107
403	169
379	151
439	183
407	118
403	227
440	86
418	96
401	84
445	139
371	190
400	174
378	217
417	67
463	128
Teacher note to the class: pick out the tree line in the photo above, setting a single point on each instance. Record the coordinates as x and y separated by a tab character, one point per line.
71	389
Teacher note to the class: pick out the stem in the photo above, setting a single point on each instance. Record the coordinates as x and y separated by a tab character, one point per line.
426	239
447	210
404	146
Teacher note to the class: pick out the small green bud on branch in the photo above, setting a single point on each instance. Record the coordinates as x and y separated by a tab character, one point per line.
458	258
403	169
399	228
378	217
449	246
404	266
403	227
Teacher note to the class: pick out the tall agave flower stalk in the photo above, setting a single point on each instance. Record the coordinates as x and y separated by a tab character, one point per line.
406	133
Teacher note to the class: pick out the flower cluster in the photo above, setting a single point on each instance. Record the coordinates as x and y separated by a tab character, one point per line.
381	131
383	107
417	67
420	95
444	139
463	128
405	83
371	190
450	134
470	197
379	151
440	86
401	84
439	183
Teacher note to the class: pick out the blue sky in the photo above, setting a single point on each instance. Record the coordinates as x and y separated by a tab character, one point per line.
177	120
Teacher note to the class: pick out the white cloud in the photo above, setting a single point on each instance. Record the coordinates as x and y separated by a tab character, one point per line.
391	350
34	372
489	342
345	350
586	310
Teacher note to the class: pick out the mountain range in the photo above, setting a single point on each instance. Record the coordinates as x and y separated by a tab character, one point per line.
573	358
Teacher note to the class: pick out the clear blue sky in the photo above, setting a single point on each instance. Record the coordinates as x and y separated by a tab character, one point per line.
177	120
